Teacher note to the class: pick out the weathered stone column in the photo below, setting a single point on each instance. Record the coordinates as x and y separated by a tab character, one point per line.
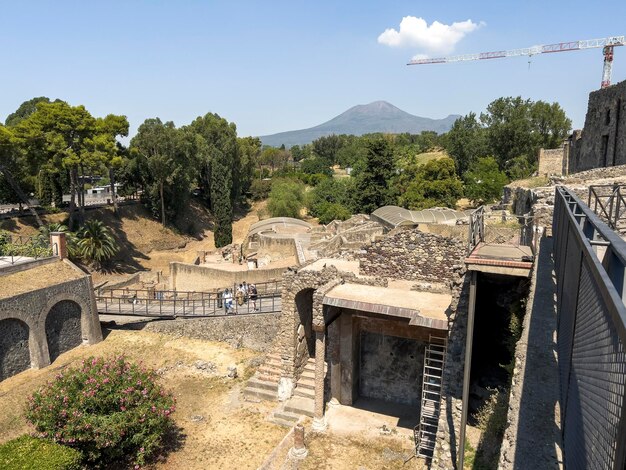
299	450
319	421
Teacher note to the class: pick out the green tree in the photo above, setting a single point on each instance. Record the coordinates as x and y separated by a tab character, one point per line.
435	184
95	243
329	191
314	166
156	142
62	136
517	128
107	149
250	153
219	157
13	172
286	198
466	141
327	147
484	181
372	190
26	109
330	211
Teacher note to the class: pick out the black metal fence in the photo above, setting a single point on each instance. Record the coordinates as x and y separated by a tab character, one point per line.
590	264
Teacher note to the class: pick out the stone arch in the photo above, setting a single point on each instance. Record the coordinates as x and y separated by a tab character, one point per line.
14	346
63	327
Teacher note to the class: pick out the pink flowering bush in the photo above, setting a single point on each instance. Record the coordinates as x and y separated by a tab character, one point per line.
109	409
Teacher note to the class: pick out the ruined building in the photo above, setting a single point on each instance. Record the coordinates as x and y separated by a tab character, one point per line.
601	143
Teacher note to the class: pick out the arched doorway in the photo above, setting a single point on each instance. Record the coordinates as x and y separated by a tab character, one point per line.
305	339
14	350
63	328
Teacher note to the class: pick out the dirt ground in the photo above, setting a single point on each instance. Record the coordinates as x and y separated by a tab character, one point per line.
218	428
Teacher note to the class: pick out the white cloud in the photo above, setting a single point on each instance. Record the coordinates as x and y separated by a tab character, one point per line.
438	38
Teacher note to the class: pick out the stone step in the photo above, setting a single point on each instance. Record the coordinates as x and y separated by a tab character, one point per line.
285	416
304	393
270	369
307	383
283	422
255	394
256	382
300	406
272	378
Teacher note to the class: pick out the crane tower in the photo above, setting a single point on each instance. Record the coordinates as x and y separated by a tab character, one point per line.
607	45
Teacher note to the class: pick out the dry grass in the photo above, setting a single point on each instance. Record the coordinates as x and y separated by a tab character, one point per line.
330	451
530	183
426	157
232	434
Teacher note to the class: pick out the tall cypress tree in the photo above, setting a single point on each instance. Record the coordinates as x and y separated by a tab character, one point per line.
222	156
372	183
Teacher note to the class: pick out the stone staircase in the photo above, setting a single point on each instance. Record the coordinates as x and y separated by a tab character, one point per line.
303	400
263	385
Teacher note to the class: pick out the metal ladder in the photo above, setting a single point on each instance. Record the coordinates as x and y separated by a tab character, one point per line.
425	432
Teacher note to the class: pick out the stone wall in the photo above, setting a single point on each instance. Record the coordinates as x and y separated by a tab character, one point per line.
254	331
189	277
603	139
74	321
413	255
551	161
14	354
446	450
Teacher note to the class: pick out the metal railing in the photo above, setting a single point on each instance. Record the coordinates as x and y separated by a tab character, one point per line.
166	303
608	201
519	233
18	249
590	265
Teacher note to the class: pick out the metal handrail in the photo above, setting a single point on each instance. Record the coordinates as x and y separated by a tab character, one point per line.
590	266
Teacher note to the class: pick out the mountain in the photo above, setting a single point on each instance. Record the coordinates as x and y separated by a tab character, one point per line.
378	116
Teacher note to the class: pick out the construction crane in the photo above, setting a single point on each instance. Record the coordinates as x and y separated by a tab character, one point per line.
606	43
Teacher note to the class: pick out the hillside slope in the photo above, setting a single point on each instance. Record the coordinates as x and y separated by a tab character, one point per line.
378	116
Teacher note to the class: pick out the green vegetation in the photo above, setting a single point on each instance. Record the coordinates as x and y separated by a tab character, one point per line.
484	181
26	452
511	130
286	198
95	243
50	149
111	410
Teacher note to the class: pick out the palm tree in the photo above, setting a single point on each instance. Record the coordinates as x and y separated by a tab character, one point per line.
95	242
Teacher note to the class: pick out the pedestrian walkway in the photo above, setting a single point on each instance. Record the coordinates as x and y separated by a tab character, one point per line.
533	437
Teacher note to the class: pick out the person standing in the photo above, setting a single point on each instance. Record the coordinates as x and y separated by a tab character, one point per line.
228	301
253	297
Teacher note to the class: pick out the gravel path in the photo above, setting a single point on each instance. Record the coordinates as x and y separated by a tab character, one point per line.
533	437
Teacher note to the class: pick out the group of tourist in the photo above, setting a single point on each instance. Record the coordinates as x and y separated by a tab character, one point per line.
244	293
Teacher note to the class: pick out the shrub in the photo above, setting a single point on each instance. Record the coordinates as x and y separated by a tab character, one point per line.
260	189
30	452
329	211
286	198
109	409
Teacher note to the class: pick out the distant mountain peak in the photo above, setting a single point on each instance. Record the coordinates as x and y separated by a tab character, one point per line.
377	116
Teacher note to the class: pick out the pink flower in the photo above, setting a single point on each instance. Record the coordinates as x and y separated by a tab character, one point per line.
123	408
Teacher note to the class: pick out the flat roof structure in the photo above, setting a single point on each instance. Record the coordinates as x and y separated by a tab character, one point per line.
394	216
278	222
425	309
510	260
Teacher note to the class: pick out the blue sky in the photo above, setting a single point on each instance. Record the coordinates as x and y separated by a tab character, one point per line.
273	66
